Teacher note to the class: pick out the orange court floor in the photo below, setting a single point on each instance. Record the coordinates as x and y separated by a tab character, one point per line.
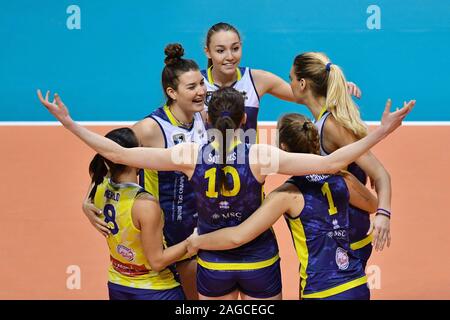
44	177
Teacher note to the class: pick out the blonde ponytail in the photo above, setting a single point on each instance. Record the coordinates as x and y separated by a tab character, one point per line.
328	80
341	105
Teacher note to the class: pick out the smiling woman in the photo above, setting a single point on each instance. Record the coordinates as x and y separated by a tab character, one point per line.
178	121
223	48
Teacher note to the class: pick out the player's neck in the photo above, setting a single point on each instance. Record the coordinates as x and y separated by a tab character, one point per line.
315	105
223	80
183	117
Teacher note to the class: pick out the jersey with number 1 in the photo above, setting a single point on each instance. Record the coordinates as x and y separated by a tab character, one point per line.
359	219
320	233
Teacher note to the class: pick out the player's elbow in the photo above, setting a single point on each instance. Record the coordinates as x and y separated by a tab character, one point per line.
157	265
117	156
237	240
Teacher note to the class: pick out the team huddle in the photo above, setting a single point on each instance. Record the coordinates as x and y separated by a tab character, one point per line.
180	195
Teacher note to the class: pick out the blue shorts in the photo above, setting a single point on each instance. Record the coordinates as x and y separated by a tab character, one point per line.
364	254
260	283
361	292
118	292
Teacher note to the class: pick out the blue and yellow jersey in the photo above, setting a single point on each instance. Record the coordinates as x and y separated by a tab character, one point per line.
172	188
129	266
321	240
244	84
359	219
227	208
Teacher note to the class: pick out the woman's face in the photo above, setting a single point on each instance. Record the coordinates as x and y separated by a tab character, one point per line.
295	85
225	51
190	94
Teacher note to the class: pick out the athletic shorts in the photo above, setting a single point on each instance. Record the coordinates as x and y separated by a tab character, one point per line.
118	292
258	283
361	292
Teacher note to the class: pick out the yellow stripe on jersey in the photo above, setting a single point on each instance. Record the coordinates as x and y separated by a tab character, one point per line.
151	182
210	76
361	243
233	145
338	289
129	266
226	266
169	115
324	109
299	237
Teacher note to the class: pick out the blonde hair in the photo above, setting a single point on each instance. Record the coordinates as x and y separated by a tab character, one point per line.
328	80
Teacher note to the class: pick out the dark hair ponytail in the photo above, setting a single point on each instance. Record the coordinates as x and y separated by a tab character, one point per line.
221	26
175	66
298	134
98	168
225	112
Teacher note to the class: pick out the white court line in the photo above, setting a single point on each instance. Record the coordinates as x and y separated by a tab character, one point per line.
130	123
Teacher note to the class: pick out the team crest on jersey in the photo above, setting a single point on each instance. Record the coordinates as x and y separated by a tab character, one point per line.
224	205
342	259
125	252
335	224
179	138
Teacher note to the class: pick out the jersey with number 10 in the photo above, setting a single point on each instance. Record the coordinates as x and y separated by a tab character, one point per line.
219	208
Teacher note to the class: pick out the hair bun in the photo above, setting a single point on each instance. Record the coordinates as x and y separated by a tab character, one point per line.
174	52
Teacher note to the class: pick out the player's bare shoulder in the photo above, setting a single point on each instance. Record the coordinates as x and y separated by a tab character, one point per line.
149	133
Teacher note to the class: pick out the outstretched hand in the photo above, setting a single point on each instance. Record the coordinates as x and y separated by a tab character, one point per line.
392	120
56	107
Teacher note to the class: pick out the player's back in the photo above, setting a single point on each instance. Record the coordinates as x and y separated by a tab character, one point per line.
220	208
129	266
321	237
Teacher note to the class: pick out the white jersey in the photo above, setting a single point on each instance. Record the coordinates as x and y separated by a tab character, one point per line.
172	188
174	134
244	84
320	122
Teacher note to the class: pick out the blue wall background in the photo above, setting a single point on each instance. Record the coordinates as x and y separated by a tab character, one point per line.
110	69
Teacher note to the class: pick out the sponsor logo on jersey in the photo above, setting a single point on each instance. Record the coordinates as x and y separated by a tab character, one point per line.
342	259
227	216
179	138
125	252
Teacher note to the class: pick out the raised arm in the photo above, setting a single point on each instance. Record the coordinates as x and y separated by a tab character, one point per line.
267	82
147	158
273	160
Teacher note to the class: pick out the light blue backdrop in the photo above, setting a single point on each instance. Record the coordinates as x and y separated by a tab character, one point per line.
110	68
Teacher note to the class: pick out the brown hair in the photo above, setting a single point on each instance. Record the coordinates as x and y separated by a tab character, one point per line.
221	26
298	134
175	66
225	111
